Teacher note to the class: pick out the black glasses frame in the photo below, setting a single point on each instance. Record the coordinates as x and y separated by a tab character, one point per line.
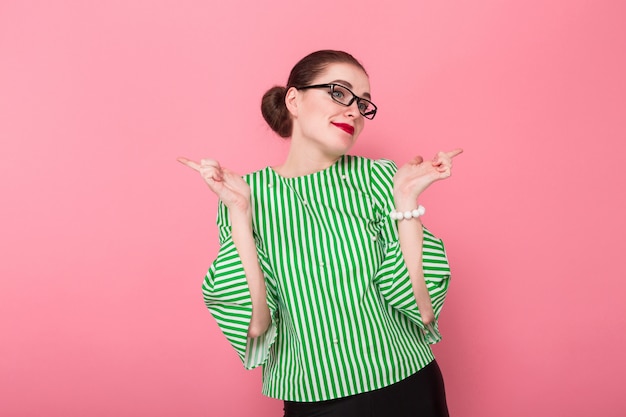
368	115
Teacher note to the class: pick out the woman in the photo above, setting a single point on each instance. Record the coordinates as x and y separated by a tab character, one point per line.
325	274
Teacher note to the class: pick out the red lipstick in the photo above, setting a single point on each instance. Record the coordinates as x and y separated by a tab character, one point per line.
345	127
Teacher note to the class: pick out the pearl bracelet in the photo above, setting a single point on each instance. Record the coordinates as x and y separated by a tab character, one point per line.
406	215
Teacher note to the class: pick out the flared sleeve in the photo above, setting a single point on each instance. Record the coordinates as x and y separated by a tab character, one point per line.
227	296
393	278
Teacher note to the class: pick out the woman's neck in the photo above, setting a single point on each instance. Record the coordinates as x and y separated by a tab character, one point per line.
302	160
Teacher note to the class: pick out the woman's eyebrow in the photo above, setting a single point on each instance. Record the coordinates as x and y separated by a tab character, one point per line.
347	84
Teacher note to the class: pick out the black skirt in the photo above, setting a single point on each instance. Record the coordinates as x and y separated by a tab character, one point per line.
420	395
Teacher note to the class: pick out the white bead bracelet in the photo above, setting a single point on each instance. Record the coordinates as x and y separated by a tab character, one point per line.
406	215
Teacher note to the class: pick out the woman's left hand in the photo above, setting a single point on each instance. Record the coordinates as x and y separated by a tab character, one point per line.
416	175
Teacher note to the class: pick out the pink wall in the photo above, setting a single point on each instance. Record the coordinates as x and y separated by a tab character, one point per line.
105	237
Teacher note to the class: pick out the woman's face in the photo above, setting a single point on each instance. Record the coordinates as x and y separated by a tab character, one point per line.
323	123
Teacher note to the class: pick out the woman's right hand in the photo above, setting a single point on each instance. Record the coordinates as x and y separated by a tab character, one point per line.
234	192
227	185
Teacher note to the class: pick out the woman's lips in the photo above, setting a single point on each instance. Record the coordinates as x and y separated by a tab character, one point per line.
345	127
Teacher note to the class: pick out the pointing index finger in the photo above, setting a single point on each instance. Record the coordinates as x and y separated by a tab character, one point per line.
191	164
454	153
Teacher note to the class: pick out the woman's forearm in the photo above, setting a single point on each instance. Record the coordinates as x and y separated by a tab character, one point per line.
246	247
411	244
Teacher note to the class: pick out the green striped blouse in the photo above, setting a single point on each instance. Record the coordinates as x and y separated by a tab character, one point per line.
344	317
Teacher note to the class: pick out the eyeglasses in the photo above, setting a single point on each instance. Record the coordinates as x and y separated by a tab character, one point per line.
344	96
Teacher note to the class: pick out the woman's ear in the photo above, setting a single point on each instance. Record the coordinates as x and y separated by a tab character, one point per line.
291	101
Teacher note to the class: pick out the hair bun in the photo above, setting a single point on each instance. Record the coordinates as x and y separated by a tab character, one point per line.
275	111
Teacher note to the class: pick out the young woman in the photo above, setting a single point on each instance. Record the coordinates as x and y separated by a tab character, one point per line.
325	274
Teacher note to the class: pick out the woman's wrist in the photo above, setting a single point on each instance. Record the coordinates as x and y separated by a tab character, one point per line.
241	217
408	194
405	202
405	199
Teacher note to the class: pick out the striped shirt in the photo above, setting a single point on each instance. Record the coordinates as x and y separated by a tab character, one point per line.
344	316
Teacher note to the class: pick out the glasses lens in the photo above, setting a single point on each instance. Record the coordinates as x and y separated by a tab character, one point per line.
344	96
340	94
367	108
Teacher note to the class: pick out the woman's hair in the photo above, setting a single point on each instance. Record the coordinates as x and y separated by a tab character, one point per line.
273	105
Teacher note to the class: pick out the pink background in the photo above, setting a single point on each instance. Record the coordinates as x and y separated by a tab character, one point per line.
105	238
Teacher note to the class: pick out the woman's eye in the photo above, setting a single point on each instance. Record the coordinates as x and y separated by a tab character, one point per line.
337	94
363	107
